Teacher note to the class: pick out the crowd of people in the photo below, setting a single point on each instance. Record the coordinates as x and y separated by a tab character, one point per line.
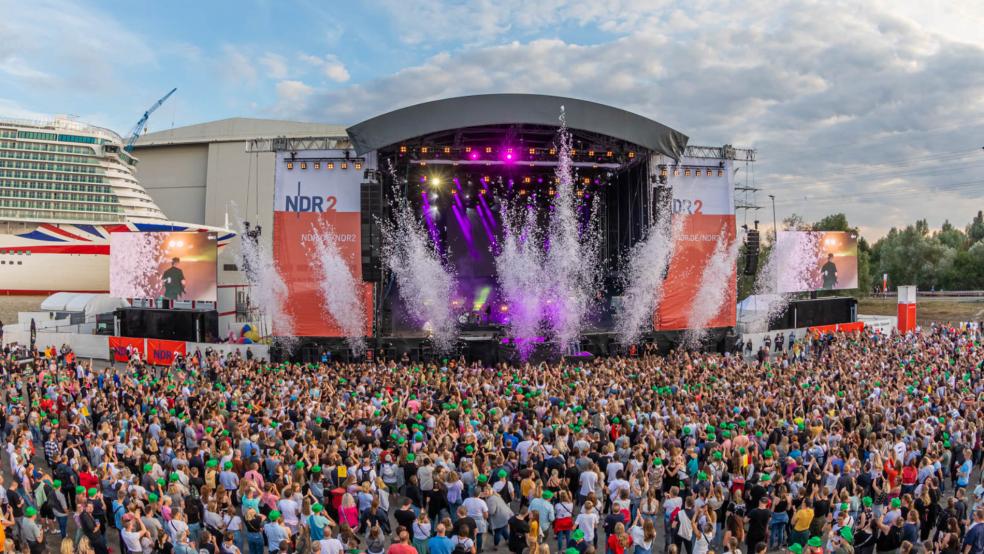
860	443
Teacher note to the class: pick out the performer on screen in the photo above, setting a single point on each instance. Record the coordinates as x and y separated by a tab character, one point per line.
174	281
828	273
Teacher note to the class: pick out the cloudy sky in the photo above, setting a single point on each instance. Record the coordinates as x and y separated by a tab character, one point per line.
872	108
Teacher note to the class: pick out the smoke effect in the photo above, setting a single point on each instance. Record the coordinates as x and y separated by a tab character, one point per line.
425	284
643	276
715	283
340	294
133	266
268	291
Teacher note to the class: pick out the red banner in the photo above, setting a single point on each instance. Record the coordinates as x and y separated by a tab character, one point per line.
703	203
162	352
118	348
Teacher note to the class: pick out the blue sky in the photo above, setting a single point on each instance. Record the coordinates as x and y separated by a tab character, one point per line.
873	108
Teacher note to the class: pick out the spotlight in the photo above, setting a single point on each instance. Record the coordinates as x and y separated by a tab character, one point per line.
553	151
403	150
344	165
436	181
488	149
590	153
609	154
467	149
527	180
631	155
330	165
434	196
317	165
532	151
447	149
483	192
303	165
290	165
473	155
423	149
358	165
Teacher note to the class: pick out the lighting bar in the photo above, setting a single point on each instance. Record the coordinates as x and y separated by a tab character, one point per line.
538	163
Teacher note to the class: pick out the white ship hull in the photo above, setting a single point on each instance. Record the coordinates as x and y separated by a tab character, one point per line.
47	258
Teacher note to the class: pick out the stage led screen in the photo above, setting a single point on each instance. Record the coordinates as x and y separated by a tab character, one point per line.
169	265
816	260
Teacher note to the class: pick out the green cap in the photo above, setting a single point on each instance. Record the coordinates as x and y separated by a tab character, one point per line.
147	468
483	478
212	462
316	469
765	478
718	455
227	465
274	515
896	503
160	481
657	462
867	501
152	497
767	453
814	542
56	483
30	511
411	457
299	464
844	507
547	495
796	548
174	476
572	550
701	476
577	535
93	492
847	534
79	489
317	507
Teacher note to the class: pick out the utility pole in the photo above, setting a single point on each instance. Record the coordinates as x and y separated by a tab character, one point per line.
775	225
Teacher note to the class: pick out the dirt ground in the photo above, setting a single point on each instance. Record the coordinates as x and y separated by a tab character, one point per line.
929	310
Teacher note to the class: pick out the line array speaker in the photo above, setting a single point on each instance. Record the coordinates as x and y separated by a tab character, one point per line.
752	252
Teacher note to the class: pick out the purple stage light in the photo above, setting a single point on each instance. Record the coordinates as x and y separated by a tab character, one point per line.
473	155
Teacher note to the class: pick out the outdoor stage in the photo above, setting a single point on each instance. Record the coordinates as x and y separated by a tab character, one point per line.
461	164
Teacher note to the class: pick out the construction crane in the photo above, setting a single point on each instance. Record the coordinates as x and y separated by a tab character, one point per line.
135	133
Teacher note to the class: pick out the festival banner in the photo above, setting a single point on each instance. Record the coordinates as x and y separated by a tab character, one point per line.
703	202
316	190
162	352
118	346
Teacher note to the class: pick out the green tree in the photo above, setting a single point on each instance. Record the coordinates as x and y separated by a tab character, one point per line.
951	237
975	231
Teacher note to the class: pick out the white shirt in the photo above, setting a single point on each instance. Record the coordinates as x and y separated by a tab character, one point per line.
289	508
613	469
476	507
330	546
588	480
132	540
587	523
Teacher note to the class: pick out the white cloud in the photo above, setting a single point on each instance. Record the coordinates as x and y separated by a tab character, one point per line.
814	88
275	64
18	68
329	66
236	67
10	108
292	95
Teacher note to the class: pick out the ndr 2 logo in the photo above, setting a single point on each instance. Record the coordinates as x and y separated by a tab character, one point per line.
302	203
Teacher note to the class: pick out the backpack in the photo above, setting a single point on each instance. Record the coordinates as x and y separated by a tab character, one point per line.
506	493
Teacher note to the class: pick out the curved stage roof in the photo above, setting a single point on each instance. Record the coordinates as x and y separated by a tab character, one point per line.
496	109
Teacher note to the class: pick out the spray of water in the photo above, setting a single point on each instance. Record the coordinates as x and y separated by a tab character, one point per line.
571	263
787	268
133	267
520	270
268	290
549	279
715	282
425	284
643	276
340	294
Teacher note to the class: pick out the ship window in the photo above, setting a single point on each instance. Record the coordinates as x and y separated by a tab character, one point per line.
20	262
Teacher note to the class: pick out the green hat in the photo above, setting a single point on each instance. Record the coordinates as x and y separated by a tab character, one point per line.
502	473
274	515
867	501
767	453
896	503
174	476
657	462
31	511
227	465
844	506
79	489
316	469
299	464
815	542
212	462
796	548
152	497
765	478
578	534
572	550
711	437
317	507
56	484
718	455
160	481
93	492
147	468
741	450
847	534
547	495
701	476
411	457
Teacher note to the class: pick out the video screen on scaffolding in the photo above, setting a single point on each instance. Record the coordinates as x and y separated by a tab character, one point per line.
817	260
169	265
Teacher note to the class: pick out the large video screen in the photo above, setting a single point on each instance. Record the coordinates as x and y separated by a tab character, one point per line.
170	265
817	260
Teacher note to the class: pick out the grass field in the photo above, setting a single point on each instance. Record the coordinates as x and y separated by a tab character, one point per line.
928	310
